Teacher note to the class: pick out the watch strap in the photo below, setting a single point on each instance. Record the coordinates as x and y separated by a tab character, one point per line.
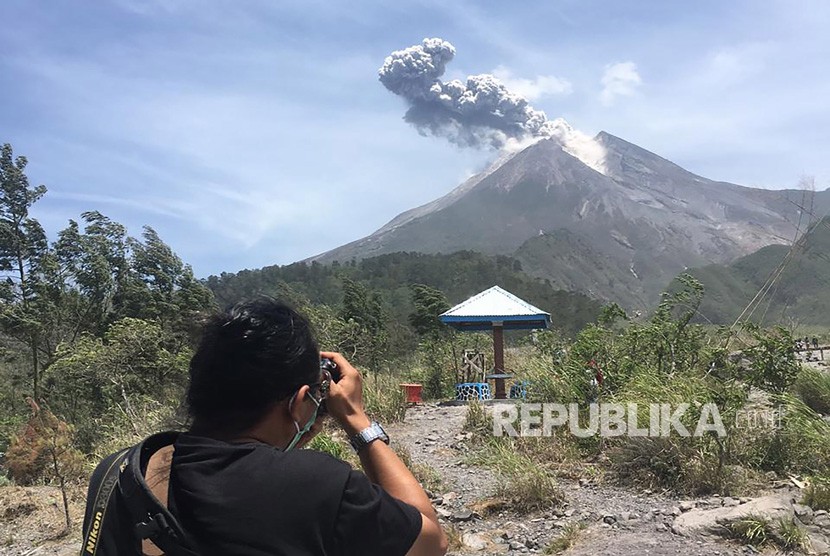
368	435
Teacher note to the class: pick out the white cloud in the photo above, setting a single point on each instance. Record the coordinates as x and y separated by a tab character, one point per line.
533	89
619	80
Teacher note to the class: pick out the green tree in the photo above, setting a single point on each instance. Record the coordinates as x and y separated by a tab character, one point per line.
29	291
161	287
772	362
428	303
95	261
365	310
94	379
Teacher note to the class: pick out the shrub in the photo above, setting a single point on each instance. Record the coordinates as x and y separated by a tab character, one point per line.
384	399
772	363
752	529
478	420
327	444
566	539
123	425
758	531
813	387
801	443
789	535
817	493
524	484
43	451
529	489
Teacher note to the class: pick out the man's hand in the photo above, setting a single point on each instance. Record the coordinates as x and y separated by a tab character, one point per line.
345	397
379	461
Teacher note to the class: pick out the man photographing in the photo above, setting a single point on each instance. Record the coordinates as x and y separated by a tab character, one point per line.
236	481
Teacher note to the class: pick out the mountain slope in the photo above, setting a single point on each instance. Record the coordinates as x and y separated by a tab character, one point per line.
642	217
800	294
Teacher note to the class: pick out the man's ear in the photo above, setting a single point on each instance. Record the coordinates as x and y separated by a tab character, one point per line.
296	410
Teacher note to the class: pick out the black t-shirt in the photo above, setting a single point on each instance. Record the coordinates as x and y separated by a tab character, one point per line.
254	499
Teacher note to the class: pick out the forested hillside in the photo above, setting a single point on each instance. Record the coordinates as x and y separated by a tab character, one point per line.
458	275
792	283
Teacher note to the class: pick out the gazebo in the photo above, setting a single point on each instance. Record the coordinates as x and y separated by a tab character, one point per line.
497	310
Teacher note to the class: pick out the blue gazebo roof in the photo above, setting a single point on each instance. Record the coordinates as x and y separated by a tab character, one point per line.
494	307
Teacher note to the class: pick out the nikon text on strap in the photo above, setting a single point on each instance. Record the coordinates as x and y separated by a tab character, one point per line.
121	485
102	498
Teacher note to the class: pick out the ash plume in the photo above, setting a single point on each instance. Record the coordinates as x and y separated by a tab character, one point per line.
480	112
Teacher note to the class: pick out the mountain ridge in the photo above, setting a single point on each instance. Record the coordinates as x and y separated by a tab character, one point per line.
649	217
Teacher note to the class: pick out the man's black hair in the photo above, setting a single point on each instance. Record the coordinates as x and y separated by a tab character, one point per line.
251	356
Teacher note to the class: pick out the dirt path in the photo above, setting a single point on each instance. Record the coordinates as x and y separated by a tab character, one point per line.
616	521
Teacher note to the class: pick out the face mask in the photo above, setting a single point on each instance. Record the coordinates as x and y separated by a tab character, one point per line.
308	425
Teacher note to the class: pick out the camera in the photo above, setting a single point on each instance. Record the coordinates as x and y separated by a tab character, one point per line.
329	365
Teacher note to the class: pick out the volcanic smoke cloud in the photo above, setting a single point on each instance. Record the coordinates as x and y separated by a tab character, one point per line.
480	112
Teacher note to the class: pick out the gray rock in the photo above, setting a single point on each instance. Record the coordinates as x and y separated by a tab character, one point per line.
730	502
610	519
462	515
803	513
712	521
474	541
819	546
686	506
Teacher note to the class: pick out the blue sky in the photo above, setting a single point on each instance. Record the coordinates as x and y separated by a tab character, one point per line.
253	133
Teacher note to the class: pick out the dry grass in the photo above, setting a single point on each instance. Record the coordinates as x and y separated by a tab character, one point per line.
569	536
524	484
427	475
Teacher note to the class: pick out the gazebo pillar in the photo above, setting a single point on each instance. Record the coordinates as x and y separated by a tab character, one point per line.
498	359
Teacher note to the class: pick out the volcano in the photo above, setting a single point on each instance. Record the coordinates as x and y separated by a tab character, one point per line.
603	216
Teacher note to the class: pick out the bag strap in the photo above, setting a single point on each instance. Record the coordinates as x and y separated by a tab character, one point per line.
99	507
152	519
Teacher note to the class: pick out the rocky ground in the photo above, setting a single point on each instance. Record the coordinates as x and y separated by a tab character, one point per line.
32	521
610	520
613	521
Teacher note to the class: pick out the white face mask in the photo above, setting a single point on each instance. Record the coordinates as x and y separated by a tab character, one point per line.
308	425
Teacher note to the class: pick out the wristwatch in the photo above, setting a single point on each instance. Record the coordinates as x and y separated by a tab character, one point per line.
368	435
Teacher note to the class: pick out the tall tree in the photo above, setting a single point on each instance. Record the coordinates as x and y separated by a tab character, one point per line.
428	304
365	309
24	259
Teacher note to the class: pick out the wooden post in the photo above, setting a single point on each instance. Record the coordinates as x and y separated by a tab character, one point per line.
498	359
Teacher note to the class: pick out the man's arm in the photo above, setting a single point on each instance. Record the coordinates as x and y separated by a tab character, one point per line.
380	463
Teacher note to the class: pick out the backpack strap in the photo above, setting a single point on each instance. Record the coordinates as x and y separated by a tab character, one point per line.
152	519
106	486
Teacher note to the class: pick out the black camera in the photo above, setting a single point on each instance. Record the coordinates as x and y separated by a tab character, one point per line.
329	365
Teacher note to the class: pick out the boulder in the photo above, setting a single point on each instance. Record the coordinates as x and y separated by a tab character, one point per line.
715	521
